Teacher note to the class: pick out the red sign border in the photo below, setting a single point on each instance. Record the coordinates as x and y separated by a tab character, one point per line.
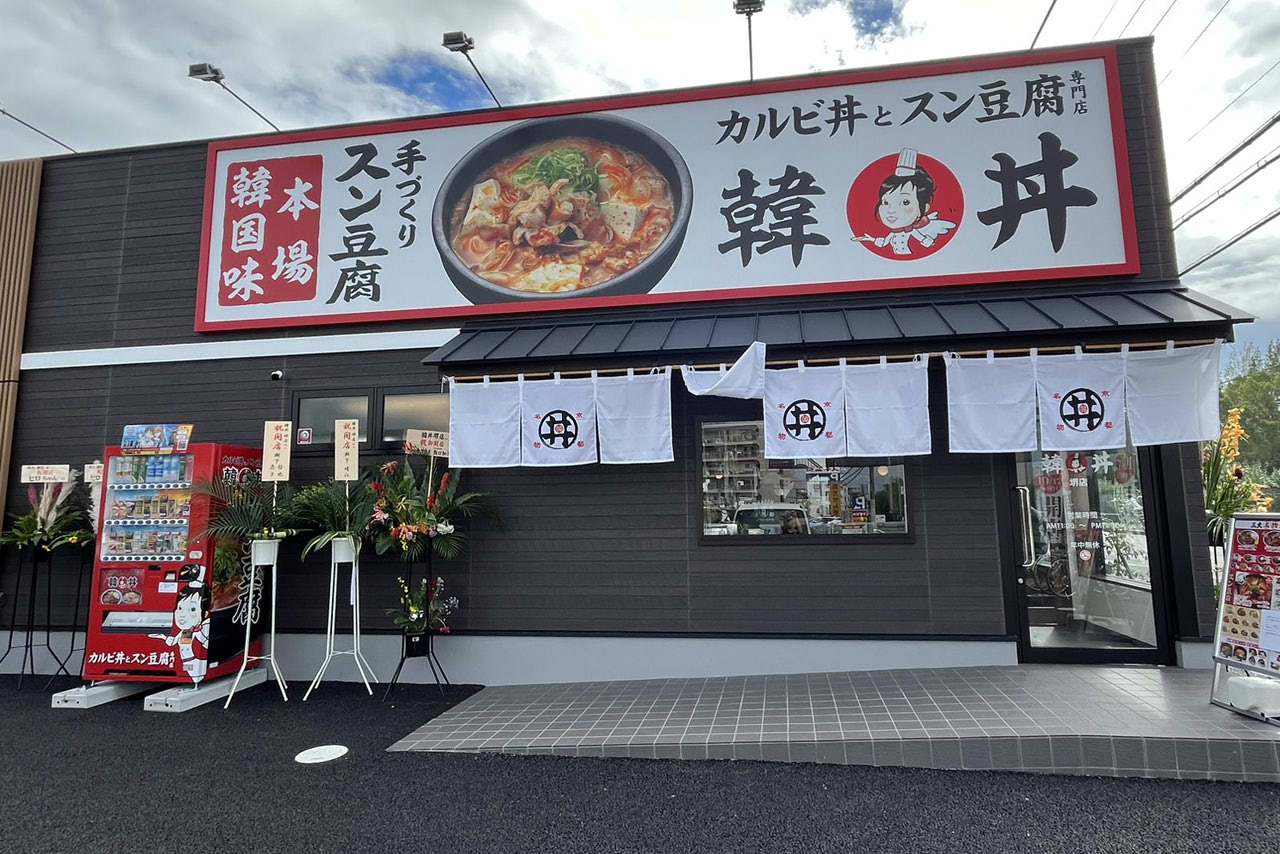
1131	265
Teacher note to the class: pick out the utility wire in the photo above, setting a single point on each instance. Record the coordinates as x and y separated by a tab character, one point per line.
29	126
1193	43
1162	17
1271	157
1248	140
1104	20
1232	242
1131	17
1042	23
1236	98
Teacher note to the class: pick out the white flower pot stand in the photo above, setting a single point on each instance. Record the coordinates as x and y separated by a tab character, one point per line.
343	550
264	553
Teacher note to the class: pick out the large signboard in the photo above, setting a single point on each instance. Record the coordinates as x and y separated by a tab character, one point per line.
1005	169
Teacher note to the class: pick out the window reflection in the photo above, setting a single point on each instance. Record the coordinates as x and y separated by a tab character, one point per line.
744	494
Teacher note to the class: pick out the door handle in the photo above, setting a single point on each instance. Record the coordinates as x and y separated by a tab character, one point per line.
1028	542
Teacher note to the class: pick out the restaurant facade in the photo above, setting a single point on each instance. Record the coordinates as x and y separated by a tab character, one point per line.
984	208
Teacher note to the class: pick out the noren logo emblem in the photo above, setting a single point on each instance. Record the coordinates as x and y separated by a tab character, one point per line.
558	429
804	419
1082	409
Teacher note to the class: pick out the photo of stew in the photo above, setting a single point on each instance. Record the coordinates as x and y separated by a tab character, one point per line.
1248	539
564	215
110	597
1271	539
1253	589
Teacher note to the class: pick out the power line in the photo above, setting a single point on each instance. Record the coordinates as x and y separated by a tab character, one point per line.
1248	140
1193	42
1236	98
1271	157
1043	22
1131	17
29	126
1232	242
1162	17
1104	20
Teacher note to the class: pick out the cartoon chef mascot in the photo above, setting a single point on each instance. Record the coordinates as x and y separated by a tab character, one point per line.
903	207
191	625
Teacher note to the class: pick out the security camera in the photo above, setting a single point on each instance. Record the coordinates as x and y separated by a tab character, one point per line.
277	375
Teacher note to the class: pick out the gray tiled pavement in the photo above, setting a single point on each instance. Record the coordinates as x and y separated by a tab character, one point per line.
1111	721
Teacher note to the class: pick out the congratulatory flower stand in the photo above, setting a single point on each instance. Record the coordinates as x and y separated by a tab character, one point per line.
414	517
57	518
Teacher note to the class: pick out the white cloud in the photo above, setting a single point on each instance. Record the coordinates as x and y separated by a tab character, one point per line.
108	73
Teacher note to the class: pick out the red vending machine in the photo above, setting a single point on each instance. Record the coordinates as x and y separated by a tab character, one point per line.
167	605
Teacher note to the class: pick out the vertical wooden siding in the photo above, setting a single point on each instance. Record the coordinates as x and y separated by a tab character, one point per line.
19	193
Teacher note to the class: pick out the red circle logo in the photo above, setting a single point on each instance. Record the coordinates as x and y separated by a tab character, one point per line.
905	206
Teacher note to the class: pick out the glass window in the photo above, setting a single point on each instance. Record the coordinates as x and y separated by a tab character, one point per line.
319	413
401	412
745	494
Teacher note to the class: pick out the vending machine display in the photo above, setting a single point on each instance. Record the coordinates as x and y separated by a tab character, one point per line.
168	605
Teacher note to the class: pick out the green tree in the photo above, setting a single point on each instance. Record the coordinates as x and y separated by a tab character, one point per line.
1251	383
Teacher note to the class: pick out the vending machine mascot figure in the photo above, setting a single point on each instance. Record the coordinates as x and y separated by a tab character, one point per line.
191	625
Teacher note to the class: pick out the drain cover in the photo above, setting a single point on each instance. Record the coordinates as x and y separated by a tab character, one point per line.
323	753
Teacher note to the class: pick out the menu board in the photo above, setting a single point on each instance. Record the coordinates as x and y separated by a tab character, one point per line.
1248	630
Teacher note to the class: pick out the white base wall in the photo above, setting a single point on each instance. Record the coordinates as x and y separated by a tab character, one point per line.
1195	654
515	660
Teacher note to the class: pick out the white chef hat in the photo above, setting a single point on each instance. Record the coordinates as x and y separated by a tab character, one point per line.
906	163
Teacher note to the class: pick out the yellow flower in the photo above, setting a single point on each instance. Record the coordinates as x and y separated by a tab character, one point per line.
73	539
1232	435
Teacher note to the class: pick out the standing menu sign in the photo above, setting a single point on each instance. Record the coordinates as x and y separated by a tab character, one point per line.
1248	630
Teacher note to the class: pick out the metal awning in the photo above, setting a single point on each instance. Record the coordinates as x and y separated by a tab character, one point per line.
880	322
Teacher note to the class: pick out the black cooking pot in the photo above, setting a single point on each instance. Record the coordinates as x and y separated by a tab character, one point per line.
472	167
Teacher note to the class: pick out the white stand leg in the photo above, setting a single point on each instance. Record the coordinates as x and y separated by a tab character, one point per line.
330	628
248	634
366	672
361	662
248	628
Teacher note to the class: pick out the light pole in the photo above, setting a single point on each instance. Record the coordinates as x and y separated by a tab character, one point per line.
460	42
210	73
31	127
749	8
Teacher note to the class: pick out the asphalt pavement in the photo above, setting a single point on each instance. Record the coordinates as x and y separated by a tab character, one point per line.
116	778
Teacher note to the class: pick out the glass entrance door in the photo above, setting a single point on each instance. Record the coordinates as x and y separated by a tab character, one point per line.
1087	589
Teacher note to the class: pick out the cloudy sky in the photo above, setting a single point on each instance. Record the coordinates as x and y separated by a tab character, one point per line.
108	73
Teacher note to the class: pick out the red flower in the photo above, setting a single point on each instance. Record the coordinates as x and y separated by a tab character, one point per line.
1238	474
431	502
444	630
389	467
377	487
444	481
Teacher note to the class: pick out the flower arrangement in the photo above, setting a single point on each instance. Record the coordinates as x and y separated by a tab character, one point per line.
336	509
1227	487
57	518
414	515
423	608
249	510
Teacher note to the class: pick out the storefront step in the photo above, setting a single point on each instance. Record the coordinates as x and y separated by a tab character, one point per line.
1059	719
